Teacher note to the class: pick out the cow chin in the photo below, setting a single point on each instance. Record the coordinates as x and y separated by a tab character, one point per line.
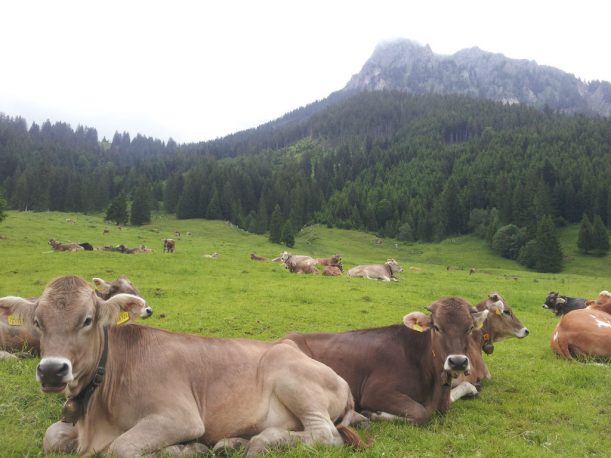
53	389
54	374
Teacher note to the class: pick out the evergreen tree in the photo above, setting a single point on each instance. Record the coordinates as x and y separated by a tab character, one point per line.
275	226
117	210
548	252
288	234
585	237
141	206
214	207
508	241
2	207
600	236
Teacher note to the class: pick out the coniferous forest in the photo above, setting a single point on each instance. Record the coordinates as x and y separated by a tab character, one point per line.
419	168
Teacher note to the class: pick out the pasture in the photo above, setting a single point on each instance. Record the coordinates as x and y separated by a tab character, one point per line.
536	404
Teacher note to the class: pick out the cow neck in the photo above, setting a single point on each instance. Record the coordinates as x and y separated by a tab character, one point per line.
389	269
76	406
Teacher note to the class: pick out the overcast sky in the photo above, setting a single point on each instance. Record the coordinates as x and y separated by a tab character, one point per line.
197	70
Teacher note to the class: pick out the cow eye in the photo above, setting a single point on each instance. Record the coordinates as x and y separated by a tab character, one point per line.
436	328
87	322
470	330
507	312
36	323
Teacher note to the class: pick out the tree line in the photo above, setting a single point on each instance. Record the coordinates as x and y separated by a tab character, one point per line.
419	168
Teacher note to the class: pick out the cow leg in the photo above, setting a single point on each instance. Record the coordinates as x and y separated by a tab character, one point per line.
462	390
277	438
60	437
395	406
156	432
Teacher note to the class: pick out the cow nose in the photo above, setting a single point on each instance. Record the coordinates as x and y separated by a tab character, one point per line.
458	362
147	312
53	371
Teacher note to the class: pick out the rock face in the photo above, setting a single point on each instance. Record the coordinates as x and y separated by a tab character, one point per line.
407	66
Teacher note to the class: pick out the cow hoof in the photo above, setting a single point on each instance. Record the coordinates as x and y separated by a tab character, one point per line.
226	447
365	424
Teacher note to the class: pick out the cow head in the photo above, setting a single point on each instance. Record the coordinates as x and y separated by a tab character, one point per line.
106	290
451	322
394	266
501	321
552	301
603	302
70	318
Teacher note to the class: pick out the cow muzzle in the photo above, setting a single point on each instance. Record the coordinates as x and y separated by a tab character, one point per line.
522	333
54	374
146	312
457	363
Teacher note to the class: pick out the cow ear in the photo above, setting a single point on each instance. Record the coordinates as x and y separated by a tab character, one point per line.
479	318
497	307
16	311
494	297
560	301
101	285
123	308
417	321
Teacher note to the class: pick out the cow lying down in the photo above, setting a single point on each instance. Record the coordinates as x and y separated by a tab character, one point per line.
403	371
500	323
134	390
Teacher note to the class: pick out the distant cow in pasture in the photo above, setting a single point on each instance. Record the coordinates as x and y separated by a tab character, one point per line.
169	246
332	261
57	246
118	249
385	272
299	263
500	323
220	391
254	257
138	250
561	305
15	337
214	255
86	246
585	332
333	271
177	234
189	234
105	231
403	371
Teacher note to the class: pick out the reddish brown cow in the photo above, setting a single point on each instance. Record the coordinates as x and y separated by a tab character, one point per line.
585	332
333	271
254	257
332	261
401	371
169	246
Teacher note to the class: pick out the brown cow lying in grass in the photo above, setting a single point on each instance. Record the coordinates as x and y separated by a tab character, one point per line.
57	246
385	272
500	324
585	332
299	264
134	390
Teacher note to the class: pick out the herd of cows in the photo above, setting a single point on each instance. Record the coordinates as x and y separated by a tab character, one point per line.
254	395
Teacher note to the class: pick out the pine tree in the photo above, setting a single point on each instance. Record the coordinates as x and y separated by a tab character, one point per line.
288	234
117	210
600	236
548	253
585	238
2	207
275	225
141	206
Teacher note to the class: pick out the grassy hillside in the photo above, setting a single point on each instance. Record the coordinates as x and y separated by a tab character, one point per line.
536	404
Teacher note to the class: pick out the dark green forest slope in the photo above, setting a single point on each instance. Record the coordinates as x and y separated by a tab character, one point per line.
416	167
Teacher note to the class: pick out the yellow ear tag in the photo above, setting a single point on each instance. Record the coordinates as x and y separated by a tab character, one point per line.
498	311
417	327
14	320
123	317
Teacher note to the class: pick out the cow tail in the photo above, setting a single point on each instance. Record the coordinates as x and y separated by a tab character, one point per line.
352	438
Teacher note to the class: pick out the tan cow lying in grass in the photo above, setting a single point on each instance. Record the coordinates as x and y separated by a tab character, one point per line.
57	246
500	324
299	263
585	332
17	338
385	272
134	390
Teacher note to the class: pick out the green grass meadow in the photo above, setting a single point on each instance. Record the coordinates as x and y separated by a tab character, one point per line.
536	404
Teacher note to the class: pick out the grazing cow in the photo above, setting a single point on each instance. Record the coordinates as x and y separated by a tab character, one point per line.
561	305
333	271
500	323
16	338
134	390
332	261
254	257
402	371
299	264
585	332
169	246
385	272
57	246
